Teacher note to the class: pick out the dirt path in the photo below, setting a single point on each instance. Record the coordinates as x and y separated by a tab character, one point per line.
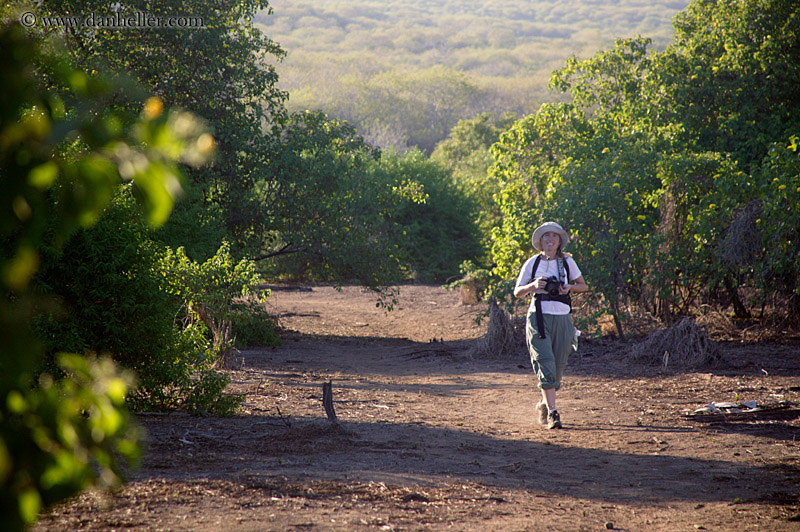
433	439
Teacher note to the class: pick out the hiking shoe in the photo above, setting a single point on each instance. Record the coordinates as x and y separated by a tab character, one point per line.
553	420
541	408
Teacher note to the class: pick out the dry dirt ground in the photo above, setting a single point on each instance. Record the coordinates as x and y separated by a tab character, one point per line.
431	438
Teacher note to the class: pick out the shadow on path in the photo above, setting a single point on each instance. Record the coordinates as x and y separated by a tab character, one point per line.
255	447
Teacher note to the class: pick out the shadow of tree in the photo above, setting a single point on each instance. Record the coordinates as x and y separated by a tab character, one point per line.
414	453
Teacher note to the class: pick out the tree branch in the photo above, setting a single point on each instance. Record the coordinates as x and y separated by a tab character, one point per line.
283	251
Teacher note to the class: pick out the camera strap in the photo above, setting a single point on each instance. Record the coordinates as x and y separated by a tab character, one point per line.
563	264
538	298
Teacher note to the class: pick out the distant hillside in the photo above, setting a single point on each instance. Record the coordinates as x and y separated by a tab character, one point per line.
359	60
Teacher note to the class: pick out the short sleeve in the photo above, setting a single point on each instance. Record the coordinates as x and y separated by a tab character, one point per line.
525	273
574	271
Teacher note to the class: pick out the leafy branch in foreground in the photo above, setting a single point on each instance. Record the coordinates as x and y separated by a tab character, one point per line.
60	435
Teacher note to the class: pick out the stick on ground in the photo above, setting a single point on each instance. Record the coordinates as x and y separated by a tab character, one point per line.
327	401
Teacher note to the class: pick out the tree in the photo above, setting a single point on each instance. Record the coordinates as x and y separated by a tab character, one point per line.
222	72
429	102
695	148
398	109
558	165
724	91
329	211
727	77
730	85
466	153
436	234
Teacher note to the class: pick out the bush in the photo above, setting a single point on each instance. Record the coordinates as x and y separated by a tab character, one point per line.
436	235
65	431
253	326
217	294
109	292
114	297
63	435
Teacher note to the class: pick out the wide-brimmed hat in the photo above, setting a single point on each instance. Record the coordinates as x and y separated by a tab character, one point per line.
536	239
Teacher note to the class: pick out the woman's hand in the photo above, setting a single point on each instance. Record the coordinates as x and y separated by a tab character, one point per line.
579	285
527	289
540	283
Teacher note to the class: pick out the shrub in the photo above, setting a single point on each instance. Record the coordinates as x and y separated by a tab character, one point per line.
61	435
436	235
108	291
217	293
114	297
253	326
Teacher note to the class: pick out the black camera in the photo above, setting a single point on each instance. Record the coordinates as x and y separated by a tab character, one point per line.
553	285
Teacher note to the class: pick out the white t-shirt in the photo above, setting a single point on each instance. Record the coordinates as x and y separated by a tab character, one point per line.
548	268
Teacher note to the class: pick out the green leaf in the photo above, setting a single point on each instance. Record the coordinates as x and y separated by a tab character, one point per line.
30	503
44	175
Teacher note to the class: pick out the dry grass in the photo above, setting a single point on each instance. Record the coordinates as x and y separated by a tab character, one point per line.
505	336
684	345
717	323
470	291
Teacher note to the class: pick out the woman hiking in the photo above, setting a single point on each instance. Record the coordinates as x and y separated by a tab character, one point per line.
550	276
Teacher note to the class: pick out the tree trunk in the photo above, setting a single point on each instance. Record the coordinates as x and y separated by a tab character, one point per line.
664	310
739	309
617	322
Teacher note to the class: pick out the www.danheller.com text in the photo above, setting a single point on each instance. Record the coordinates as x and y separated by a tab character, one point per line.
118	20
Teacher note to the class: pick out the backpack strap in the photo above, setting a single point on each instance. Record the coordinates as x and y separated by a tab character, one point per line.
535	267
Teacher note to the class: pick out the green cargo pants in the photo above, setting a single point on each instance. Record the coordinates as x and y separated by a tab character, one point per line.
549	355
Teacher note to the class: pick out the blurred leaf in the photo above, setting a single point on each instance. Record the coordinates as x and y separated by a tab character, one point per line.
44	175
18	272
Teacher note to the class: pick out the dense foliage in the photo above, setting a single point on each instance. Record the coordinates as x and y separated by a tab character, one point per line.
224	295
675	171
466	154
220	72
434	235
373	62
328	215
117	292
417	223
